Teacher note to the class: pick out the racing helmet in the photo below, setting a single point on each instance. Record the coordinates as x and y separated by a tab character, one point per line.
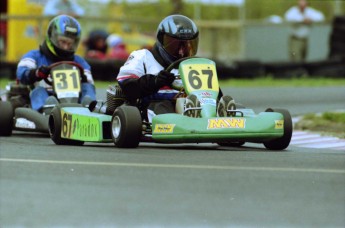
177	37
63	36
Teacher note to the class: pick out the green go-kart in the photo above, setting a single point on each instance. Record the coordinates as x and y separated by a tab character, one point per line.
64	82
202	115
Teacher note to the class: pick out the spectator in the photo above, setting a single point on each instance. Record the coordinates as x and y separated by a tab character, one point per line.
96	45
61	42
301	16
117	48
68	7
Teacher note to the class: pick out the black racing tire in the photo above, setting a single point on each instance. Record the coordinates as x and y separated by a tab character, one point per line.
192	102
284	141
6	118
226	103
126	127
55	129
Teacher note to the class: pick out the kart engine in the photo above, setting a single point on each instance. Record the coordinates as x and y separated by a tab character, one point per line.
18	95
115	98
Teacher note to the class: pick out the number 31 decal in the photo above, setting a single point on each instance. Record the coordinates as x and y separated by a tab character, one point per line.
66	80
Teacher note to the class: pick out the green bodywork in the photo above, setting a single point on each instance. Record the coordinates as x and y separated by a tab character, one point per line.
199	77
79	123
175	128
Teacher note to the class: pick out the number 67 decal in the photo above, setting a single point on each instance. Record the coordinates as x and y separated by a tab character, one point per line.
202	77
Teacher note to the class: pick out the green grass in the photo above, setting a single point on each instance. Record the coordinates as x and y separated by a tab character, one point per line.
293	82
328	123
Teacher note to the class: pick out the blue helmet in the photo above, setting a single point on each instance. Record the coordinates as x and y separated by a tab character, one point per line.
63	36
177	37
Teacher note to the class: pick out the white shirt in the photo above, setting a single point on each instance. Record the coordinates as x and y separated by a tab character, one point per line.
139	63
142	62
294	15
56	7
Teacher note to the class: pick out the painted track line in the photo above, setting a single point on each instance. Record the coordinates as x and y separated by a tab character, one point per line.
177	166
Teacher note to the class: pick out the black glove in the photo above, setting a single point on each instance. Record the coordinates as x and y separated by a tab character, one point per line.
164	78
42	72
83	78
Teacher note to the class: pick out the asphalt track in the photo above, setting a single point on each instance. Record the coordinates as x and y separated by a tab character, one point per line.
189	185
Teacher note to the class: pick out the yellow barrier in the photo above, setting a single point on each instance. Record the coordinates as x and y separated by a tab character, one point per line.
22	35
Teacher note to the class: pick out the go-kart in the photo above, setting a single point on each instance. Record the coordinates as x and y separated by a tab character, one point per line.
201	116
65	79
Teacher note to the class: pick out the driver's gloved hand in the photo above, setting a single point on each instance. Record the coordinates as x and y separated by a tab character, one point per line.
164	78
42	72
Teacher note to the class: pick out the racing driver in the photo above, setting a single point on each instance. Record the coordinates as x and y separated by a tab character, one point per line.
143	76
61	42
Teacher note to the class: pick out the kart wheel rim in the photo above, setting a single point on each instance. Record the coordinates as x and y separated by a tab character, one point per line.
116	126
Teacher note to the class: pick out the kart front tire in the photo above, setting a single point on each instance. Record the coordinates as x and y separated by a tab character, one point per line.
6	118
192	102
126	127
226	103
55	129
284	141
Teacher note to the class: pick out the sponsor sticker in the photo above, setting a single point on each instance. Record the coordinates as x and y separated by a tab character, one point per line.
206	94
220	123
164	128
208	101
279	124
79	127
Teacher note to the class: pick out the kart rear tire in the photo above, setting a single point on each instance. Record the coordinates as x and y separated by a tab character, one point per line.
6	118
126	127
284	141
55	129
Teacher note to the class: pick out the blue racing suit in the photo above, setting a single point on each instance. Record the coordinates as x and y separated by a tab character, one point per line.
33	60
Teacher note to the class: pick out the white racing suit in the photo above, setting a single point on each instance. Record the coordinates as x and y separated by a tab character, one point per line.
137	80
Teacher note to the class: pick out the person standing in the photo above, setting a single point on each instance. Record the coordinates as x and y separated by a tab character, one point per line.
118	49
302	17
57	7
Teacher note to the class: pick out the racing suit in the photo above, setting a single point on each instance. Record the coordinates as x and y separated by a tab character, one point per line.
136	78
34	59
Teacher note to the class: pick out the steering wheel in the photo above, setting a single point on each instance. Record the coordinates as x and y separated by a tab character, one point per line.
81	69
177	62
177	84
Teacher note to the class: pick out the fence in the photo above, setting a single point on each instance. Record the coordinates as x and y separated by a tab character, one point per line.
226	42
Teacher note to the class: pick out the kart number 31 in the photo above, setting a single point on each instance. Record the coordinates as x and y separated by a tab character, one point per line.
66	80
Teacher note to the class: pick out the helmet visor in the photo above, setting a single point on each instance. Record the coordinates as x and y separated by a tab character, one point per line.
180	48
66	40
65	43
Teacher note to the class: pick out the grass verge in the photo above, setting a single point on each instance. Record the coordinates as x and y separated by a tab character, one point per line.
277	82
328	123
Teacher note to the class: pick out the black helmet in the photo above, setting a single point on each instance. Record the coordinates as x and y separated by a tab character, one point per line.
177	37
63	36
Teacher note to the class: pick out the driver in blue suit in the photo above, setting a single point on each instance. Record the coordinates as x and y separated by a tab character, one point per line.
60	44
